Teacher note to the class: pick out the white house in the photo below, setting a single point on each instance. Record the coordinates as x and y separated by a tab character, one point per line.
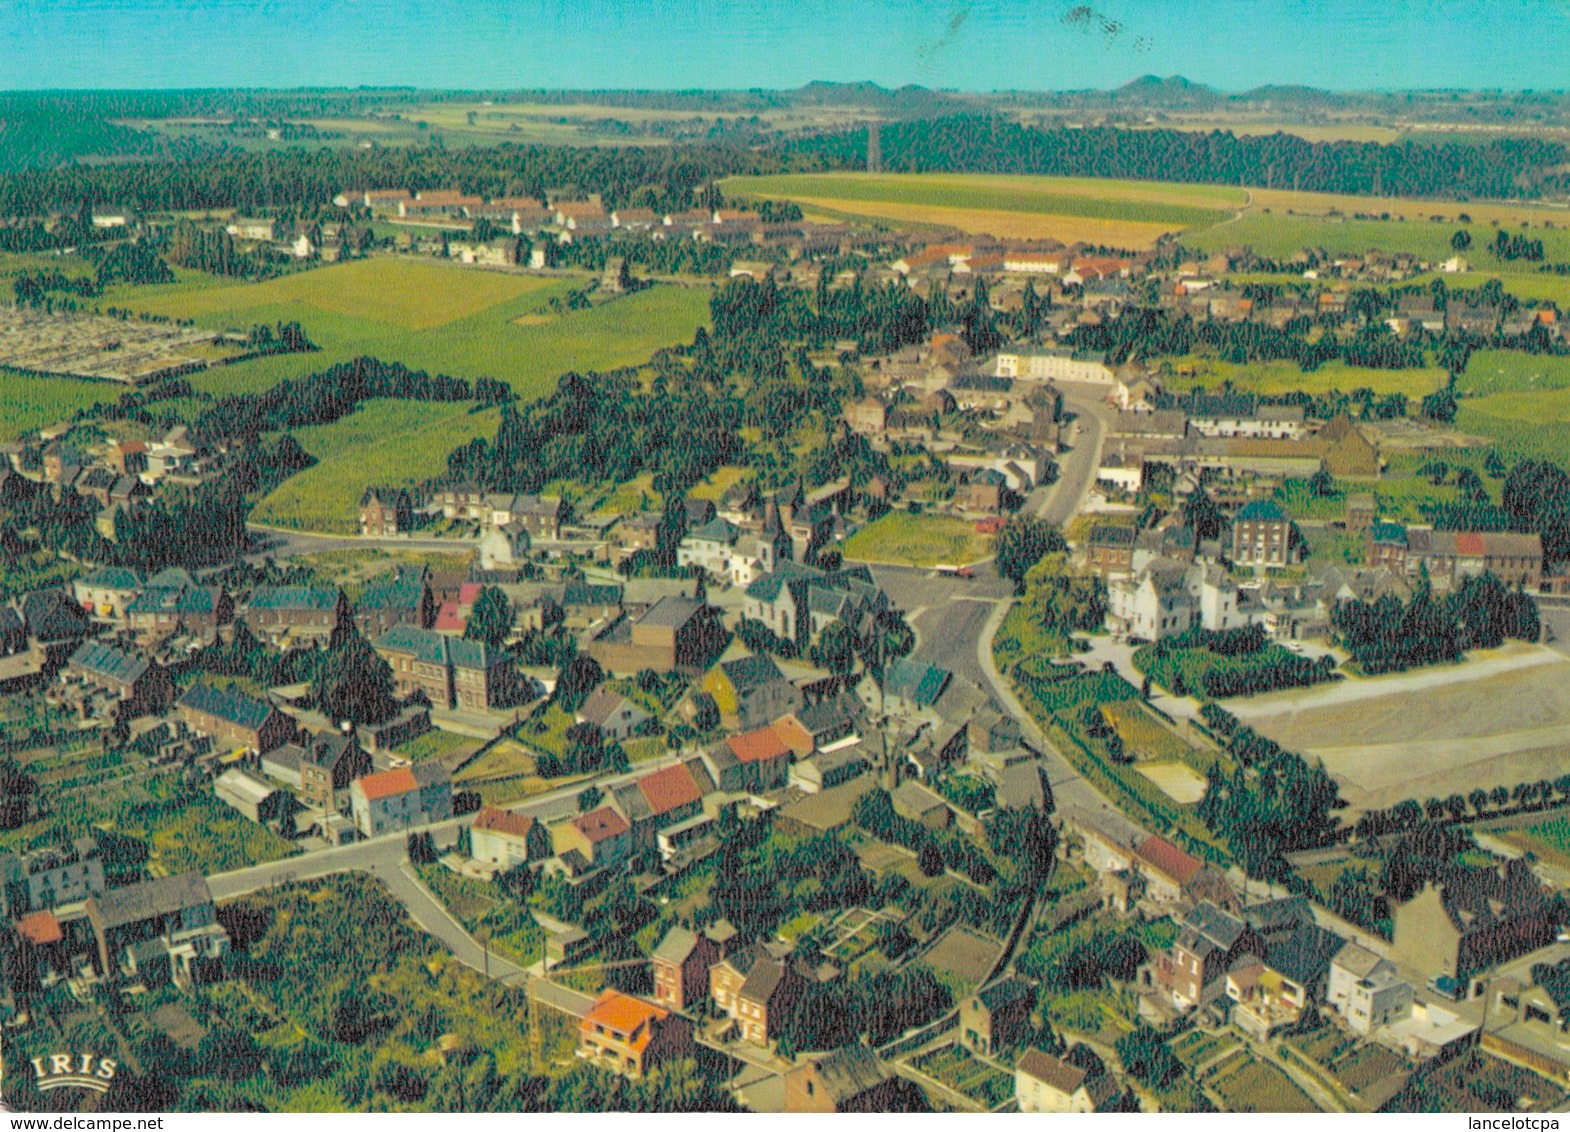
391	801
1043	1083
721	550
1366	990
1168	598
1056	365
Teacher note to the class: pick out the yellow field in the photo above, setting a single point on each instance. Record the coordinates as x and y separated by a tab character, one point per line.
1318	204
1328	132
404	293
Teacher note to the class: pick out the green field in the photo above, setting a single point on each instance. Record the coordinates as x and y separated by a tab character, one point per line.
918	540
1276	377
1280	235
28	402
1509	371
433	316
384	443
1142	201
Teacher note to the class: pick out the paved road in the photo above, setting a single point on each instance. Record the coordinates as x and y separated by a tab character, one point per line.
1060	501
275	542
1069	788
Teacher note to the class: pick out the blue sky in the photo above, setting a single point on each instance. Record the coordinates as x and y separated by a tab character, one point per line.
961	44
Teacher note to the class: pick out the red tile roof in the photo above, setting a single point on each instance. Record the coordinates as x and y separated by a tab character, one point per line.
1470	543
498	820
1168	860
468	593
758	746
669	789
622	1015
601	825
387	783
448	619
795	737
40	928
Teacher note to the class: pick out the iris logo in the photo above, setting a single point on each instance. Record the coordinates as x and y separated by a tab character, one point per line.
74	1071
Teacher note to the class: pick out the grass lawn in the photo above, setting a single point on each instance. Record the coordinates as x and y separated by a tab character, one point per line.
433	316
204	835
1548	840
437	744
383	442
1277	377
1184	671
1144	736
918	540
511	931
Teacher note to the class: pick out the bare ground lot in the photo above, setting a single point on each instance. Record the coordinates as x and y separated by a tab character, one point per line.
1501	718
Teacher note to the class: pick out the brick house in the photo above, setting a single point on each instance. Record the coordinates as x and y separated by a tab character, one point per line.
385	511
285	616
675	633
233	719
1110	550
452	672
141	685
681	968
766	998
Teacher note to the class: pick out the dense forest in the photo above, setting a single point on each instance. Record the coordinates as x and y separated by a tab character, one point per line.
988	143
660	177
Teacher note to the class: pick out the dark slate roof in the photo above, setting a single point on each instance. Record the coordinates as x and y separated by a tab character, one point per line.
401	590
226	704
315	599
715	530
672	612
849	1071
113	578
134	903
1262	510
1211	924
912	680
53	615
439	648
763	980
579	593
748	673
1304	954
1006	992
108	661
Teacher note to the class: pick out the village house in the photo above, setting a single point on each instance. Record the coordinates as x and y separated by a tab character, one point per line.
720	549
629	1036
602	837
849	1079
157	929
403	597
616	716
1044	1083
172	602
1058	364
506	839
63	873
1110	549
392	801
1169	598
752	762
674	634
142	686
298	616
318	766
751	690
1366	990
232	719
453	672
1483	917
681	968
997	1018
796	602
1209	943
1263	535
105	593
385	512
766	998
